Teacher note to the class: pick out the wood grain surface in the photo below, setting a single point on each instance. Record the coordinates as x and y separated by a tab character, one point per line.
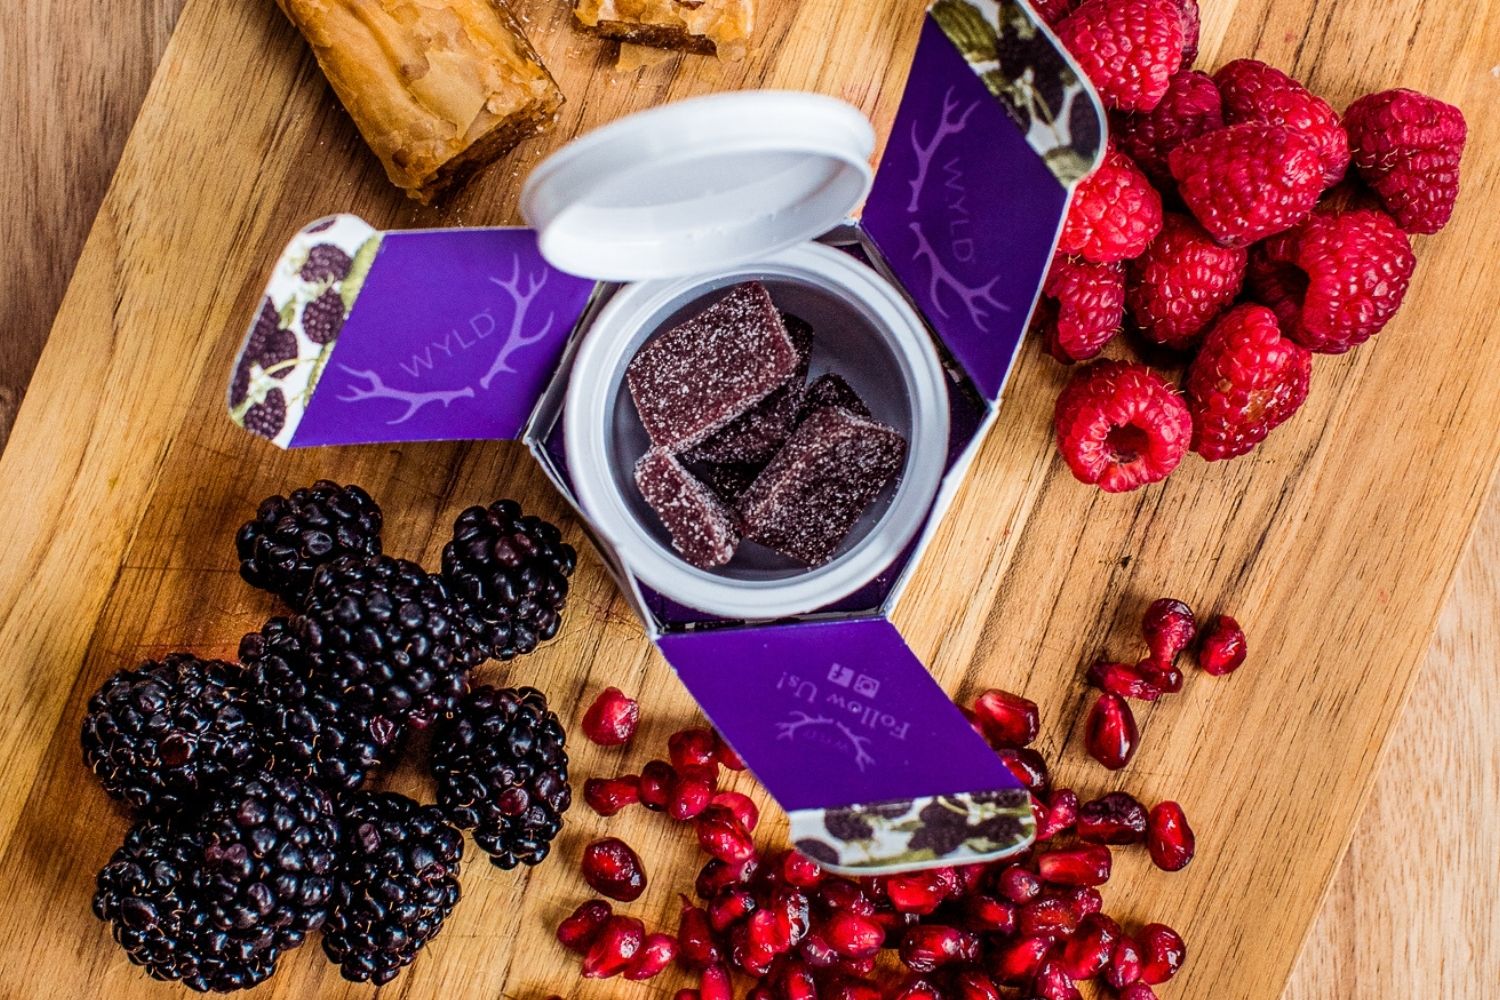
1334	544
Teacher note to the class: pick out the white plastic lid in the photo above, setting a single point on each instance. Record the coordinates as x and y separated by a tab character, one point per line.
700	185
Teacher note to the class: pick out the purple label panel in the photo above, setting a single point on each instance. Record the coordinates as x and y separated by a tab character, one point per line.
965	210
834	713
454	335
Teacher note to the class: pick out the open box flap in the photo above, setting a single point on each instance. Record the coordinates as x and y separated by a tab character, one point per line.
844	725
995	128
436	335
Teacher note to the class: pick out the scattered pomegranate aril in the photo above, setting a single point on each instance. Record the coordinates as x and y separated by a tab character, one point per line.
1020	959
1222	649
725	755
1110	734
749	952
1059	814
854	936
577	930
800	870
1165	677
839	895
656	953
916	892
816	951
743	806
1028	767
1052	983
1124	680
607	796
614	947
1006	719
989	915
972	984
693	748
612	719
1168	627
1116	818
856	967
612	869
688	796
1082	900
730	906
1086	864
1018	884
915	987
855	989
1125	962
798	983
656	781
792	913
714	984
687	994
697	947
721	835
1088	951
715	875
1163	953
926	947
1048	916
1137	991
1169	838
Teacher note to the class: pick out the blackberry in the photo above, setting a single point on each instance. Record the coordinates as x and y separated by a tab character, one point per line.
290	537
270	844
387	639
397	883
163	738
305	731
509	573
267	417
149	893
268	345
326	262
323	317
502	771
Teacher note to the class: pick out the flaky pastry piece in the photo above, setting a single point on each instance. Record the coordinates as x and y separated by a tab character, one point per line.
702	26
438	88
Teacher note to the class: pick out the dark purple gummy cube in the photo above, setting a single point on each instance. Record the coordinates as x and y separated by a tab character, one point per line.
693	379
755	435
703	528
832	467
729	480
831	390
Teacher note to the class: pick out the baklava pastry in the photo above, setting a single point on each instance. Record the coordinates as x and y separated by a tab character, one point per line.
702	26
438	88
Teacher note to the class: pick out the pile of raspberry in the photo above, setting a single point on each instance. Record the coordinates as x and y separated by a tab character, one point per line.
1224	230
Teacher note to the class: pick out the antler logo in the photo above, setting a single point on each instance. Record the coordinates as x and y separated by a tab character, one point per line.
829	732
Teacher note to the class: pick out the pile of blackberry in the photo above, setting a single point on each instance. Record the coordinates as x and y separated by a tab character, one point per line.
246	780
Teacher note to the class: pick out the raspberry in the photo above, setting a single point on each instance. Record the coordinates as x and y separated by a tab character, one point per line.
1255	92
1190	26
1085	303
1247	182
1119	426
1190	107
1115	213
1336	279
1246	379
1407	146
1128	49
1182	282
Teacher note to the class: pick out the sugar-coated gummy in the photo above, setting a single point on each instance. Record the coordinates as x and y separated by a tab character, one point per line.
702	526
756	434
831	390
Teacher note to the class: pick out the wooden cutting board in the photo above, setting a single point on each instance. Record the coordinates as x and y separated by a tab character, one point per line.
1333	543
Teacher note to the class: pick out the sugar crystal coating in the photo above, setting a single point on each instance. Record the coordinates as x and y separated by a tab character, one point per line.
702	526
831	390
831	469
756	434
729	480
693	379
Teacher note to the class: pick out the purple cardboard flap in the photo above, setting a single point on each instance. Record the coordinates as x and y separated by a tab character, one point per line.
995	128
847	729
366	337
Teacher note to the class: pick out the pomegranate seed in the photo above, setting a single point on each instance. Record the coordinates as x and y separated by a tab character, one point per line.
966	879
1124	965
656	781
721	835
687	994
730	906
1048	916
1137	991
714	983
917	892
611	720
743	806
612	869
1006	719
1168	627
1087	864
1110	734
1052	983
855	967
695	938
656	953
688	796
797	982
577	931
815	951
855	989
1169	838
715	875
724	754
800	870
1163	951
1019	960
614	947
1059	814
793	913
777	927
894	924
914	987
839	895
1124	680
1019	885
929	946
989	915
747	953
1222	647
607	796
1082	900
1088	951
761	992
1166	677
1028	767
854	936
1116	818
971	984
693	748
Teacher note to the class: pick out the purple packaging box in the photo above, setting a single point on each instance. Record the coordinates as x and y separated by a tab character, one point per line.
367	336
